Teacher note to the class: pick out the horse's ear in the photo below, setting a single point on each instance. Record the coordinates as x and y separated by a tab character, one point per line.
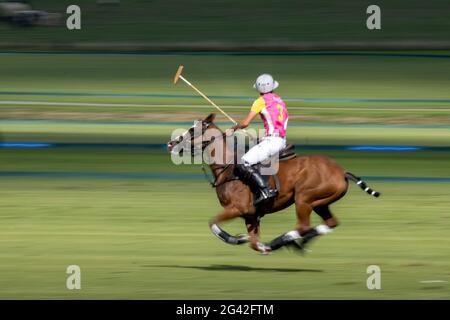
210	118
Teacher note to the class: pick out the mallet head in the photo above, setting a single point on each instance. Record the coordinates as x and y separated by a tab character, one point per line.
178	74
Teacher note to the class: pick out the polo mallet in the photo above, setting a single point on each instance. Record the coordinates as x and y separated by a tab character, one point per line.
179	76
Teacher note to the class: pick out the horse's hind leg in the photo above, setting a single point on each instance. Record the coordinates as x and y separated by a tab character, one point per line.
303	210
304	231
226	214
327	216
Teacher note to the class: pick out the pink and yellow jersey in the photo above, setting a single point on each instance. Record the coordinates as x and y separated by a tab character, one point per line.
273	113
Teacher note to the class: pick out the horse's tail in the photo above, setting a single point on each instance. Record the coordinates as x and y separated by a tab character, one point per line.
362	184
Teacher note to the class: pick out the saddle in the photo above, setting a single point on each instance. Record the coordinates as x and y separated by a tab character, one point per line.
287	153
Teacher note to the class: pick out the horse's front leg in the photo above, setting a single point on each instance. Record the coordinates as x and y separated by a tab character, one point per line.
252	224
227	214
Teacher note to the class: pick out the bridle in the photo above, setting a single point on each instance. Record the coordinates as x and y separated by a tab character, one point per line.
221	167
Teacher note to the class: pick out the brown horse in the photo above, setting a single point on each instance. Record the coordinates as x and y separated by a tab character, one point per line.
313	183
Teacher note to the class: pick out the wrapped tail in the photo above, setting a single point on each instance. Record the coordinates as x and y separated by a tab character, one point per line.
362	184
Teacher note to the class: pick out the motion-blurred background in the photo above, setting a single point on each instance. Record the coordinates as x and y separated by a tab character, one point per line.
86	180
221	24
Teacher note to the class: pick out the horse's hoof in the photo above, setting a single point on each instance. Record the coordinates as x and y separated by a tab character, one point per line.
263	249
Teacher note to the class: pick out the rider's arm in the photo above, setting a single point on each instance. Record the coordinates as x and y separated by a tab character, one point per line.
257	106
244	124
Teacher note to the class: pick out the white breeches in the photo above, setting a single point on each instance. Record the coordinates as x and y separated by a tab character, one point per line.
268	147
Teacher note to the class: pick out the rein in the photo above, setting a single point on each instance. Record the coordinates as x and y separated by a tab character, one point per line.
212	182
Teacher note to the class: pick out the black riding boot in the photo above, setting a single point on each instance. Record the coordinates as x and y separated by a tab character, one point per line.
251	176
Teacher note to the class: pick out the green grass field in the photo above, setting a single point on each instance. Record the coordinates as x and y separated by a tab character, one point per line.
136	224
149	239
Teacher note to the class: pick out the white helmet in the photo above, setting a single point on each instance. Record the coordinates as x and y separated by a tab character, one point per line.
265	83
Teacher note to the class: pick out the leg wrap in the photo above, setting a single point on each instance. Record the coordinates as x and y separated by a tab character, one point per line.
226	237
284	239
321	229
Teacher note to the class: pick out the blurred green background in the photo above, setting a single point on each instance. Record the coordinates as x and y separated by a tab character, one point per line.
86	180
320	87
244	23
136	224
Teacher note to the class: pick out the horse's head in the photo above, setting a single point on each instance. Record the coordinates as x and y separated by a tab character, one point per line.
196	137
